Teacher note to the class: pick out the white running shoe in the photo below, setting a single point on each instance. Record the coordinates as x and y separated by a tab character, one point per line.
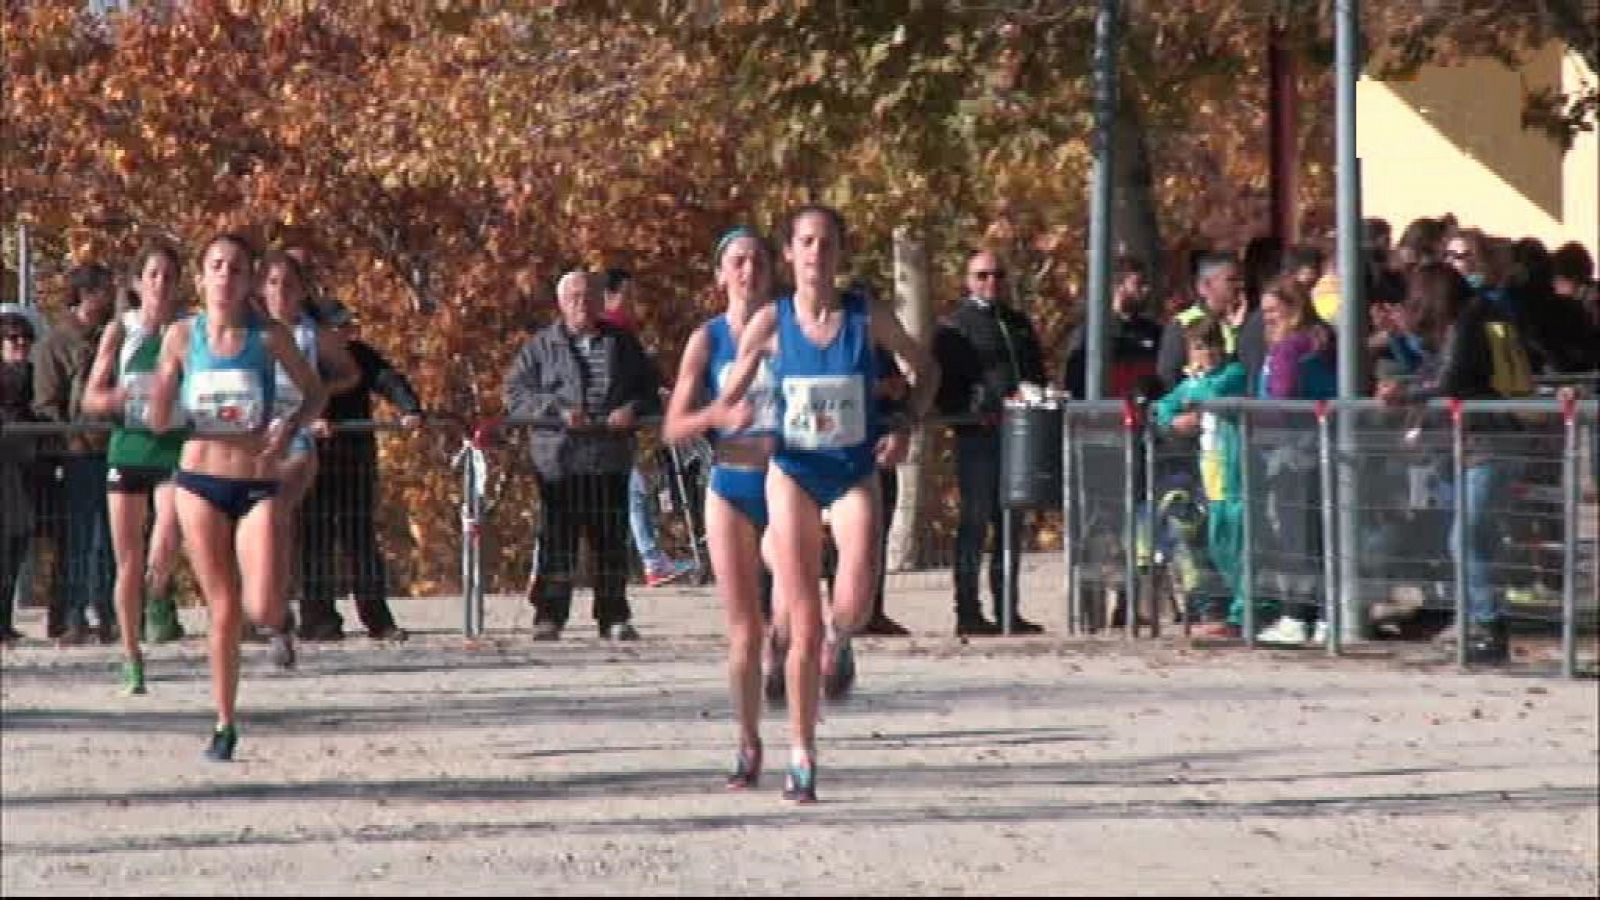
1286	631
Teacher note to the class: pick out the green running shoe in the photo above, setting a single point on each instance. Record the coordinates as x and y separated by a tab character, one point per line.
223	741
133	677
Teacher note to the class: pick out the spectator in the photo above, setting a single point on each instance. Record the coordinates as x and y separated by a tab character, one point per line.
586	383
1211	376
1422	243
1574	279
83	535
1133	341
1263	261
985	349
16	459
1219	286
659	568
340	510
1457	362
1299	366
1556	331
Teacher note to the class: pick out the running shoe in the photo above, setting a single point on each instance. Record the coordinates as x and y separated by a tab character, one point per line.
667	571
223	742
774	684
801	784
281	651
746	769
161	624
132	677
839	674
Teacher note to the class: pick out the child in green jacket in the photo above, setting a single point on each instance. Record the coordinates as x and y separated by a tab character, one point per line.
1211	375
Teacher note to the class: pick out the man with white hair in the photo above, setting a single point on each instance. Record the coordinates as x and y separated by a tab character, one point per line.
583	383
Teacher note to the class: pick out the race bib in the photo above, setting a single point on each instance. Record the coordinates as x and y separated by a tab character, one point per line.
136	410
824	412
760	395
226	401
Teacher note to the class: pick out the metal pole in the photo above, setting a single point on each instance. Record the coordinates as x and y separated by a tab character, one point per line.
1007	613
1150	524
1105	111
24	275
469	527
1331	549
1458	464
1352	306
1069	522
1130	523
1569	540
1247	539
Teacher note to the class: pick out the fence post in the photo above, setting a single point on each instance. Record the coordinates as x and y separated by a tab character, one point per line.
1569	540
1332	614
1247	537
1130	519
470	460
1458	465
1150	524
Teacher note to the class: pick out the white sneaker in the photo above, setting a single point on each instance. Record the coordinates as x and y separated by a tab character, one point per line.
1285	631
1319	634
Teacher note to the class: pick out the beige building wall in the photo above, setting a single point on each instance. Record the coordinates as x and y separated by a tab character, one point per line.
1451	140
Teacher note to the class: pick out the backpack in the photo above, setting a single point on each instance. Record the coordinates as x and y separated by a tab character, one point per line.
1511	375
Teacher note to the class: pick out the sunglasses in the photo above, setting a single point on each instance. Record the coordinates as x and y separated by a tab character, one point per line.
988	274
1458	256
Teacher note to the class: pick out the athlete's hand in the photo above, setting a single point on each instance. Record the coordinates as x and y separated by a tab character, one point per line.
278	435
410	421
892	449
1186	423
735	417
622	419
321	428
575	418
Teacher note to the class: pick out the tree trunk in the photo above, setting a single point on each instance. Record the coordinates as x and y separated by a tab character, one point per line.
915	303
1135	230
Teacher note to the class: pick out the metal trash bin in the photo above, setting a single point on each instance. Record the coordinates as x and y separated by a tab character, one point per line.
1030	456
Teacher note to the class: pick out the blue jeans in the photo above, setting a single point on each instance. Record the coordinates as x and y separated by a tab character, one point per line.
1487	485
640	521
89	569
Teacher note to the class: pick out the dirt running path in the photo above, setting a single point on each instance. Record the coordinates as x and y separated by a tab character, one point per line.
999	767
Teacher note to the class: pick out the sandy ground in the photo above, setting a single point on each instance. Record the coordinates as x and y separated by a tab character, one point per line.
1048	765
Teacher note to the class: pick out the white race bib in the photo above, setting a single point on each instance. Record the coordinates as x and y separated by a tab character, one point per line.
226	401
760	395
824	412
136	410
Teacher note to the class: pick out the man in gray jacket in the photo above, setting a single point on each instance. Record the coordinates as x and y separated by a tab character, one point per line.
82	530
582	385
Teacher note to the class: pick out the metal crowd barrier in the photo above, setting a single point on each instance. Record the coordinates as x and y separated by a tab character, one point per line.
1130	525
1129	488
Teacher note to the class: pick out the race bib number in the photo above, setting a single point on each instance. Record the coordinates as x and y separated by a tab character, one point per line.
760	395
136	410
824	413
226	401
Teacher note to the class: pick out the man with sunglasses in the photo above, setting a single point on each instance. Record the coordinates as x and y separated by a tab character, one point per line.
985	349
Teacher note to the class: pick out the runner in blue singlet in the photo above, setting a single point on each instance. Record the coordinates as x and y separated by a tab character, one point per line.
820	344
736	499
222	362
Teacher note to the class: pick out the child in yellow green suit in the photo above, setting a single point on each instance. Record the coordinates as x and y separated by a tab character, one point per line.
1211	375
